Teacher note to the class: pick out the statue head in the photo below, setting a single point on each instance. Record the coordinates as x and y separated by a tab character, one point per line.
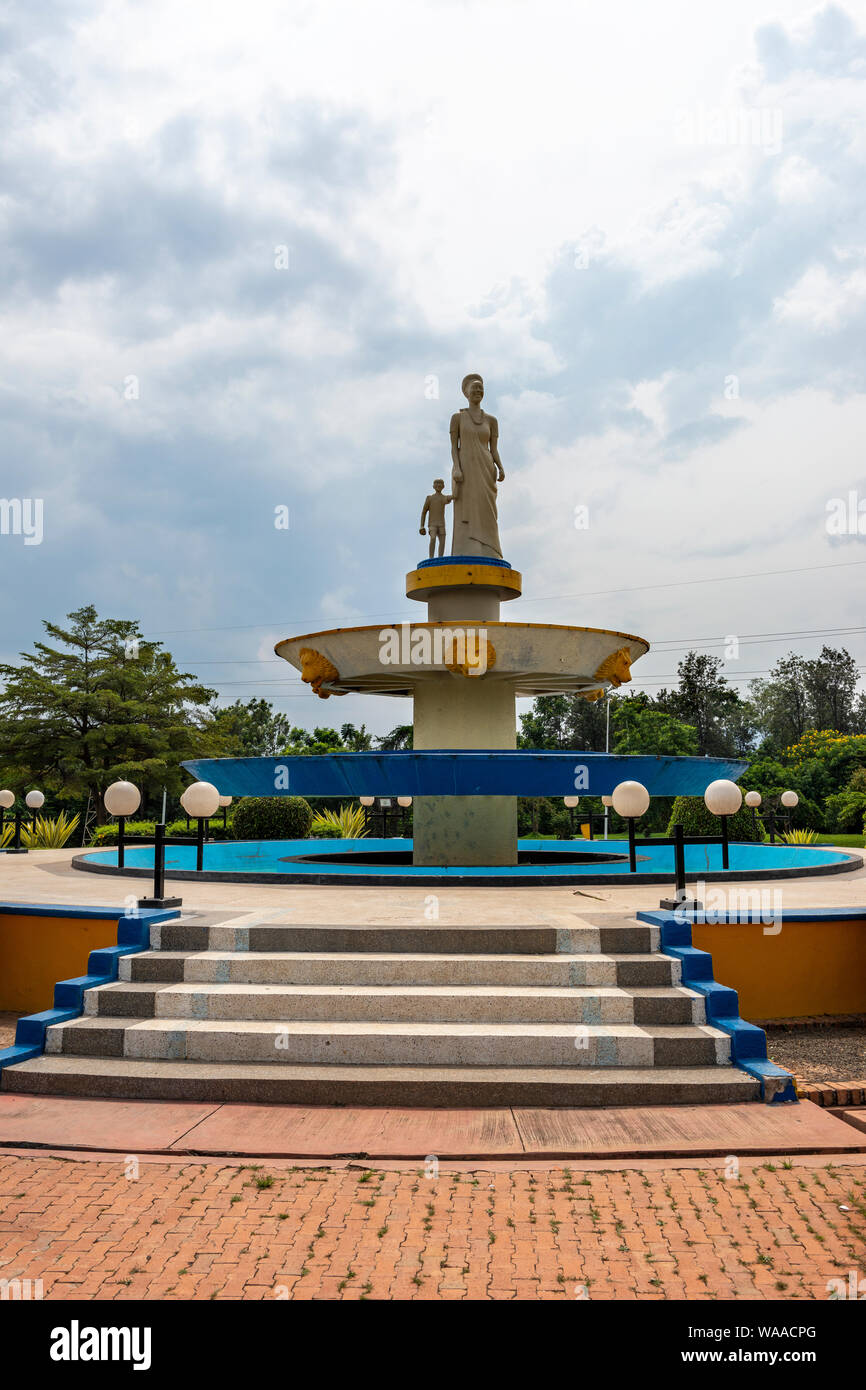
472	387
438	484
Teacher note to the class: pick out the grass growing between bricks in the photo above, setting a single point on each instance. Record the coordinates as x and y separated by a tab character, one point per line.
223	1231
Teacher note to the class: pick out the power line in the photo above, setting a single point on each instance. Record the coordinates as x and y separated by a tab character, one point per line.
538	598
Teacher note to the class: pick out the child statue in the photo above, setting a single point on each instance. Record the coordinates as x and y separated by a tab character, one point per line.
434	511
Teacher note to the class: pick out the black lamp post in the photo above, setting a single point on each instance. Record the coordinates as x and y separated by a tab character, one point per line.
159	899
201	801
630	800
570	802
121	799
753	801
35	801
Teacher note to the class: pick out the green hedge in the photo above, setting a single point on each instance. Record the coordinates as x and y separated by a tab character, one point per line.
137	829
272	818
691	813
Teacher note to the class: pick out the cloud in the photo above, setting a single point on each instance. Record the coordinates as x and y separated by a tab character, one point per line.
248	265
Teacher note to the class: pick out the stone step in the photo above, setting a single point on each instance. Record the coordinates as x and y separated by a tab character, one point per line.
266	1083
627	937
597	1004
393	968
305	1042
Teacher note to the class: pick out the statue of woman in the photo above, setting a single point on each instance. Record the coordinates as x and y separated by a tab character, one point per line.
476	468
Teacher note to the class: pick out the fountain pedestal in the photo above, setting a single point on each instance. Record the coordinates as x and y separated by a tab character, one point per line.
460	710
464	712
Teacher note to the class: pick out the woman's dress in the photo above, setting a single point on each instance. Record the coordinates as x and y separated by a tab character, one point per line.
475	526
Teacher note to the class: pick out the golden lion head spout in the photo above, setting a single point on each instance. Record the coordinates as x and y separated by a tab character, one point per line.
473	657
616	668
317	669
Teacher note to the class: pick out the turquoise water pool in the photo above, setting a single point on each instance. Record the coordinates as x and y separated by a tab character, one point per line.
289	861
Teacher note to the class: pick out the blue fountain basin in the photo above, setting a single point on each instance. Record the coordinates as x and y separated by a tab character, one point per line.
297	861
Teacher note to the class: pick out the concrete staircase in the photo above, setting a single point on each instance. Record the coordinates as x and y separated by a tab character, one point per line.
217	1010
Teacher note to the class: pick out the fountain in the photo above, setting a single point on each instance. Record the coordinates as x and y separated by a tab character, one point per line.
463	667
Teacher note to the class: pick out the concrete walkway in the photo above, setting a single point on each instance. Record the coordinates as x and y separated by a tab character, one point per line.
326	1132
46	876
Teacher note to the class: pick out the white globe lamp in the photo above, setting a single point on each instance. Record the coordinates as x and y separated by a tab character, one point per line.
723	798
200	800
630	800
121	799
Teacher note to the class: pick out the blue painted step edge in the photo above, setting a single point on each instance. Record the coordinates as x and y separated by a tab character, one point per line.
748	1043
133	934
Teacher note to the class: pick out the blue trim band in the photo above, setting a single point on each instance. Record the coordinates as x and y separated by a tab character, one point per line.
462	560
748	1043
133	934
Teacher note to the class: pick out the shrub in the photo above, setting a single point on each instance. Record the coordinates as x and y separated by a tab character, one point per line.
107	834
322	831
846	810
272	818
144	829
347	823
691	813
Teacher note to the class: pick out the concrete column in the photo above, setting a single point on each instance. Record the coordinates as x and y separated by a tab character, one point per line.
464	712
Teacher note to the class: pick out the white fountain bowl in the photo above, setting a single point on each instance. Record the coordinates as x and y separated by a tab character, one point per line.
534	658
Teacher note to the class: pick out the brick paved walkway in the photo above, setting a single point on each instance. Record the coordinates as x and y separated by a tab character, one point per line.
189	1230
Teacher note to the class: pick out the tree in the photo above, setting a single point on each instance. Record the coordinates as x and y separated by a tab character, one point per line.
564	721
831	689
110	705
808	693
705	700
250	730
638	728
303	743
781	703
400	737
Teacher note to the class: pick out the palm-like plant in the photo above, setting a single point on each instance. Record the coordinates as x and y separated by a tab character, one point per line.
6	834
49	834
799	837
349	820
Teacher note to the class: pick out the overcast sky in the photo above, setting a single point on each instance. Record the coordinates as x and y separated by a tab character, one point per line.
250	250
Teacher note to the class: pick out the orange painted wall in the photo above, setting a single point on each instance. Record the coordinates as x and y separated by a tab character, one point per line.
36	952
807	968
